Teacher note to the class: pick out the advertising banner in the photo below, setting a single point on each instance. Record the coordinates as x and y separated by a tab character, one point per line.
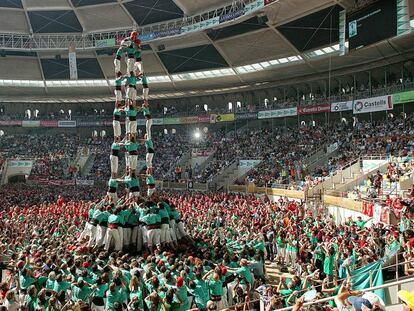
342	106
246	116
380	103
167	33
251	7
171	121
314	109
104	43
280	113
10	122
231	16
27	123
188	120
403	98
203	119
90	123
201	25
228	117
84	182
66	123
248	163
48	123
73	68
19	163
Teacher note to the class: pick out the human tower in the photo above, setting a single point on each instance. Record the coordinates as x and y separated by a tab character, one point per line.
130	48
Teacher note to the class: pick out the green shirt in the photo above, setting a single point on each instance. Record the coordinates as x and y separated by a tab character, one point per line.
146	111
111	298
130	146
200	293
118	82
115	146
149	144
216	287
114	219
131	80
150	180
131	112
131	182
26	281
328	265
80	293
246	274
113	183
151	219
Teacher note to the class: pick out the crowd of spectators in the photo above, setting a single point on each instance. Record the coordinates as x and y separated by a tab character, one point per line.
224	268
52	154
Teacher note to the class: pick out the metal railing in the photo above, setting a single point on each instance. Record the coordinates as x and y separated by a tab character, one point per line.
85	41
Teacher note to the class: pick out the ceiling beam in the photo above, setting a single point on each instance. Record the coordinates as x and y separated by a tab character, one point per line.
27	16
103	71
133	22
41	71
154	50
81	21
293	48
226	58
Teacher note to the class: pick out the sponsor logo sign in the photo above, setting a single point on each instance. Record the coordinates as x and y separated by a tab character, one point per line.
280	113
314	109
373	104
342	106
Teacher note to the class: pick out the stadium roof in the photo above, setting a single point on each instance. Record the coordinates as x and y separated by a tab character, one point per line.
257	48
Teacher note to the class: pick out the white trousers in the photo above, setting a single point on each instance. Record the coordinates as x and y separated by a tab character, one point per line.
114	234
100	235
138	67
131	93
127	233
153	237
150	192
133	159
165	233
180	230
118	95
87	231
117	128
114	164
130	64
145	93
117	64
93	236
130	126
173	233
148	125
148	159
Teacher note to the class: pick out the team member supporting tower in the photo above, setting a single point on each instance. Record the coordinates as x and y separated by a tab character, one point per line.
148	120
114	157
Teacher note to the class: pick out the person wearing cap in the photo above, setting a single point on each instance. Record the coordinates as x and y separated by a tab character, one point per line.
182	295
